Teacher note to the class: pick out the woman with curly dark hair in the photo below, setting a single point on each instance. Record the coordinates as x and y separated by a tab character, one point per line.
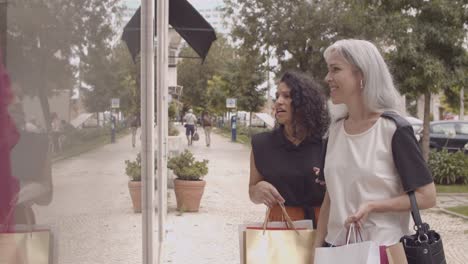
284	162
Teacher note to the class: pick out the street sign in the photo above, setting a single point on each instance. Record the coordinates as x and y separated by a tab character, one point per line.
231	102
115	102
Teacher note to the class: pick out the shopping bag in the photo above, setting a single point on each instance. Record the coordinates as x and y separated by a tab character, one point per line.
279	246
302	225
195	136
396	254
26	245
277	242
360	252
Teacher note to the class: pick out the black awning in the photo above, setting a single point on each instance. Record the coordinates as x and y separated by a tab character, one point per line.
185	19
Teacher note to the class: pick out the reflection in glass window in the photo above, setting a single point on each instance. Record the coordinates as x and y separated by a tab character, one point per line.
462	129
447	129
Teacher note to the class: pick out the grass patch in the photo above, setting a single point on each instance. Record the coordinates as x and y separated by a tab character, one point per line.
463	210
89	145
243	133
243	139
457	188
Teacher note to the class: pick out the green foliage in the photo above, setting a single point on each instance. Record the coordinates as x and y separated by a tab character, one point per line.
133	168
428	55
193	75
449	168
463	210
451	100
73	137
173	131
114	75
217	90
172	111
227	72
45	36
456	188
186	168
297	41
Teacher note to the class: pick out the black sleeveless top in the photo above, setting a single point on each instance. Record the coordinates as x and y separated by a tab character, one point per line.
290	168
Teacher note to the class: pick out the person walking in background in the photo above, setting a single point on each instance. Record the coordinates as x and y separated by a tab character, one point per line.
134	124
284	162
372	156
206	121
190	122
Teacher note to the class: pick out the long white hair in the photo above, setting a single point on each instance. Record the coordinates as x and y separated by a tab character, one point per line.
379	91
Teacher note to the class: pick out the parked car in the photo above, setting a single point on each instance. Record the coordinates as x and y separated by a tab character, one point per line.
450	134
417	125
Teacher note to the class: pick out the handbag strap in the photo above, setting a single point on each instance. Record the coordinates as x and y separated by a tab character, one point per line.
419	225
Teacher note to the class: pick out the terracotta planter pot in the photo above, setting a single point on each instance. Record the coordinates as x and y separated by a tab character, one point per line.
189	194
135	192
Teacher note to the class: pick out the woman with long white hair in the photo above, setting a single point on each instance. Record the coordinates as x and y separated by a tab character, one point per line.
372	158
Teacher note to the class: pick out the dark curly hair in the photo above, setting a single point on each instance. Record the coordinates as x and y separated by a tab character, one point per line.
309	105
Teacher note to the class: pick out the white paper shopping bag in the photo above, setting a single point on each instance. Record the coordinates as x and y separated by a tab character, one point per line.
359	252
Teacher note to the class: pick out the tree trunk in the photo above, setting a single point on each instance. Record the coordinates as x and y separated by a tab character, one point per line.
97	118
42	93
425	138
462	103
45	106
250	124
3	30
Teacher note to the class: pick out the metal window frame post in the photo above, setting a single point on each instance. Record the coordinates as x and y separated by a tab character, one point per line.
162	117
147	118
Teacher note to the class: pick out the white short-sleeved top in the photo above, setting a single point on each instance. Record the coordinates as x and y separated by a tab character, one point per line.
363	167
190	119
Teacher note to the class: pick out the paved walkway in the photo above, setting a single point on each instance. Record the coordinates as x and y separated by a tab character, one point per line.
451	200
92	215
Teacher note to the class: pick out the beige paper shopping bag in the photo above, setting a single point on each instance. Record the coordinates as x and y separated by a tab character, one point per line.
396	254
31	247
279	246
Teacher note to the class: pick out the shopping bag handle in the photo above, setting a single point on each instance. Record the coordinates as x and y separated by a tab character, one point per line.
9	216
287	219
352	228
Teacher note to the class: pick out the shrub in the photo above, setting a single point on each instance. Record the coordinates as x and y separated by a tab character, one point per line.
133	168
173	131
449	168
186	168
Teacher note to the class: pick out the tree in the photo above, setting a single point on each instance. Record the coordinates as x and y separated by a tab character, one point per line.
227	72
428	53
422	40
297	32
44	37
246	75
194	75
218	90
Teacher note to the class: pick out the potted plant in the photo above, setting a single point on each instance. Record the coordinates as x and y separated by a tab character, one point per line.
189	185
133	170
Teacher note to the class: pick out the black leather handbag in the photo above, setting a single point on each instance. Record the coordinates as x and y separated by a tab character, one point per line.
424	247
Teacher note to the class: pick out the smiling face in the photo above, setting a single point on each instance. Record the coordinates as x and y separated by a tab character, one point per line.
283	107
343	79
